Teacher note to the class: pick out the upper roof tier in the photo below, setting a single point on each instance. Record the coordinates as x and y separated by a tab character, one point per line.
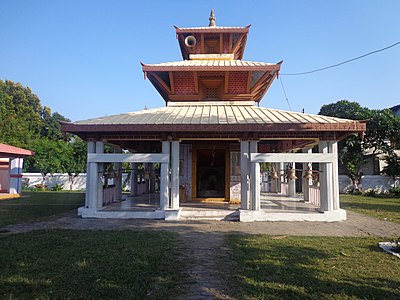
212	39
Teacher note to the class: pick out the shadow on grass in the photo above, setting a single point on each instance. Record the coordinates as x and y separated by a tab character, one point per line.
300	268
64	264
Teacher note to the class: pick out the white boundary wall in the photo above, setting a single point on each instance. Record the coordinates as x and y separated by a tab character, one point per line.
62	179
379	183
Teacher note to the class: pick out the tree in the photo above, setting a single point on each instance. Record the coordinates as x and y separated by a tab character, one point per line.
75	162
49	158
382	131
392	167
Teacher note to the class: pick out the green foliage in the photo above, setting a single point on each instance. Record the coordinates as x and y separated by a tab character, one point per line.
75	159
395	191
57	187
382	132
392	168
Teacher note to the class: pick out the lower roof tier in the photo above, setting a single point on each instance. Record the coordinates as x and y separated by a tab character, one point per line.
214	120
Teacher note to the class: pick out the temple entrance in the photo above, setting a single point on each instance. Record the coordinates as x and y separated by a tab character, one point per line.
210	173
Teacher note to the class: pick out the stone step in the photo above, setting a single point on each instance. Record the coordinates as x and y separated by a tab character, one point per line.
216	215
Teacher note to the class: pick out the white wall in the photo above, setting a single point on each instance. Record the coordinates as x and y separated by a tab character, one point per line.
379	183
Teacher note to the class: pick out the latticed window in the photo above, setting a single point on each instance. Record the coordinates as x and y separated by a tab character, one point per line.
211	93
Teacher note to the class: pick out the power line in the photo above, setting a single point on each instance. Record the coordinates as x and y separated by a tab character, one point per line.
342	63
284	92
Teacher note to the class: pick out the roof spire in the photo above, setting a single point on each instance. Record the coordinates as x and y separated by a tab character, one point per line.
212	19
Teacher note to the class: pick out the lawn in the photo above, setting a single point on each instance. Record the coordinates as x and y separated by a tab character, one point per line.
64	264
268	267
378	207
36	206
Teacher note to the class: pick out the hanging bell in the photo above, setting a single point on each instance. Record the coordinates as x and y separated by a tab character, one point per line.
274	175
308	174
292	174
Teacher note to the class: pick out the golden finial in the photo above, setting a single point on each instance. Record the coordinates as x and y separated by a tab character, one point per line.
212	19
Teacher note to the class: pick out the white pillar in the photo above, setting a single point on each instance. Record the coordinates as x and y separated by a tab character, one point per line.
326	183
281	174
306	182
292	183
15	174
335	175
100	166
134	175
254	180
164	178
118	179
89	175
245	175
175	174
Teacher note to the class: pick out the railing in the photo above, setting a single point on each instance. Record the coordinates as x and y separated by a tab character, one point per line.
109	193
314	195
285	189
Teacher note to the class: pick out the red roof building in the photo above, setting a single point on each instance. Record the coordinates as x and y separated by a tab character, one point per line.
11	164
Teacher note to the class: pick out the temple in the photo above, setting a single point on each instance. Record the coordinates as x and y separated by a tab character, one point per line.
206	146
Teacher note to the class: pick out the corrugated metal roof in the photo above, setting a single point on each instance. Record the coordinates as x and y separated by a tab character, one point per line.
207	64
212	114
212	29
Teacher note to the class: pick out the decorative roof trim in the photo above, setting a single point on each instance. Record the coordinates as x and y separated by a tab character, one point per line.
212	29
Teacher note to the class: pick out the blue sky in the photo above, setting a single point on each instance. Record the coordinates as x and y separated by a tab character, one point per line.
82	58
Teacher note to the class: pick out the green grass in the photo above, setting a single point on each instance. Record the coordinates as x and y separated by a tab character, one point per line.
312	268
377	207
63	264
38	206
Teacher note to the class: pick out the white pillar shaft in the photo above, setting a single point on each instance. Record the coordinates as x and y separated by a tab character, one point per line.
164	178
93	182
175	175
306	181
134	175
118	179
90	149
254	180
245	176
99	149
335	176
326	183
15	173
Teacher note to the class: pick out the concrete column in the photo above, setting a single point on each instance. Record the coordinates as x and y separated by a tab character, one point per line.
326	180
147	177
90	149
306	182
333	147
152	178
100	149
118	179
134	176
292	183
281	174
15	175
254	180
93	185
175	174
164	178
245	175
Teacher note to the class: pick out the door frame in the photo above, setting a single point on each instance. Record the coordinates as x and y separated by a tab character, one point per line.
210	145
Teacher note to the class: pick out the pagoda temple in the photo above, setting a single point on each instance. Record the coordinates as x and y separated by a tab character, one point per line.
208	141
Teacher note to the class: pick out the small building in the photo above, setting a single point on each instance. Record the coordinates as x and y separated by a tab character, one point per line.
208	141
11	164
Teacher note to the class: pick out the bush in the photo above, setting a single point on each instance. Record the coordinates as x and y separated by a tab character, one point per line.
371	193
395	191
57	187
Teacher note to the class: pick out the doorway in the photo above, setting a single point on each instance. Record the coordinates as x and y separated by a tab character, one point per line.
210	175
